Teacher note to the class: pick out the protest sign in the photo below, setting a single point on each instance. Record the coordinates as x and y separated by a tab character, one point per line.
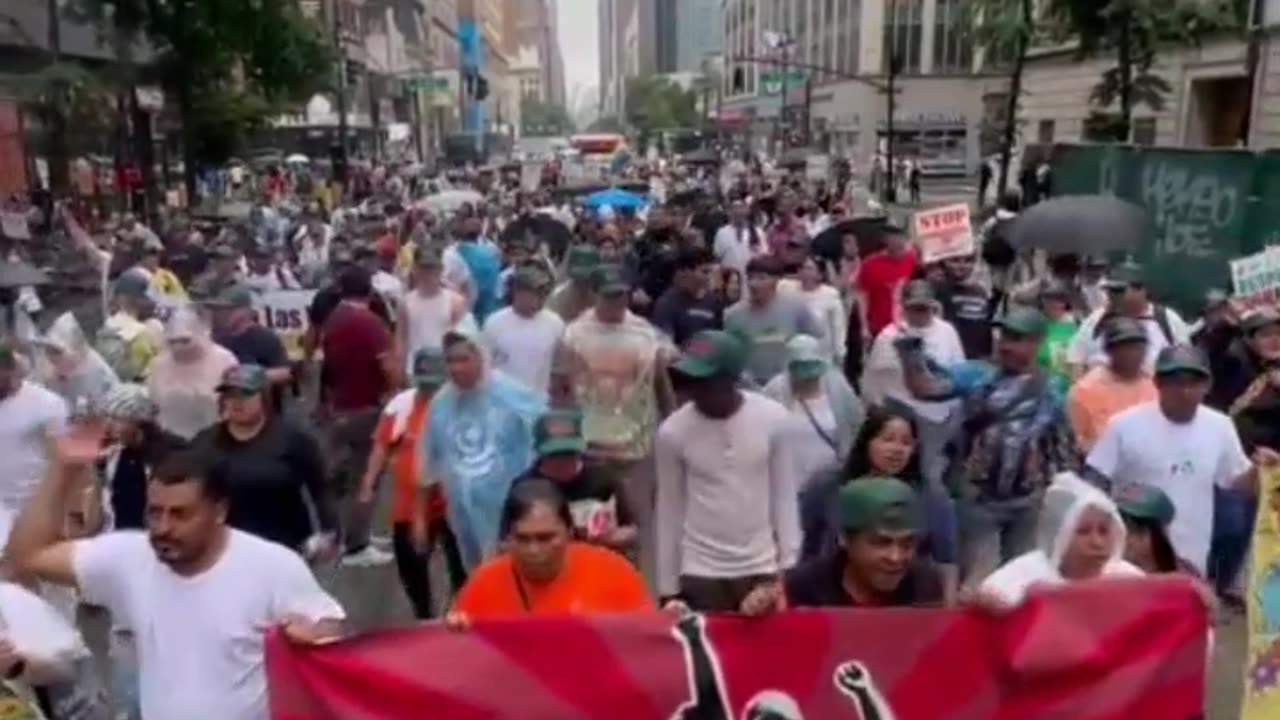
1118	649
1256	278
284	312
13	225
943	232
817	167
1262	661
531	175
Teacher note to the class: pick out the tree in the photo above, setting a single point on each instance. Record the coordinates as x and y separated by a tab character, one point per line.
655	104
542	119
1005	29
65	96
230	64
1135	31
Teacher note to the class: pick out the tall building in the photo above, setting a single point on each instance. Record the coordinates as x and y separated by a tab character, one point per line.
533	38
698	34
833	62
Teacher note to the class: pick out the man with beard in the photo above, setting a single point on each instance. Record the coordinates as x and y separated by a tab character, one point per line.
198	593
877	564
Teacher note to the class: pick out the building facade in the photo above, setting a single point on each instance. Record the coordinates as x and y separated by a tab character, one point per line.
698	34
833	61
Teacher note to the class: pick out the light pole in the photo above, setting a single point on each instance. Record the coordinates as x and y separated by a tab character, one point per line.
781	43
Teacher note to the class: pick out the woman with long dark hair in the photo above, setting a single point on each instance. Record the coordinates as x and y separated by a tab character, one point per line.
886	446
543	570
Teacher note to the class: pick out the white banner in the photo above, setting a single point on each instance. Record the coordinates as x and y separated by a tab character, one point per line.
1256	278
284	312
943	232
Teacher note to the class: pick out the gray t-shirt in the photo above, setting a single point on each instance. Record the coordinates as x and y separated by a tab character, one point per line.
769	328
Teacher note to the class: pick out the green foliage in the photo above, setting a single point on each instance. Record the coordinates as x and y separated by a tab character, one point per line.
240	61
69	95
1135	32
540	119
999	27
655	104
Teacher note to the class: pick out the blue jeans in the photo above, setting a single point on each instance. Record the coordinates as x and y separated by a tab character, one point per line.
1234	513
993	533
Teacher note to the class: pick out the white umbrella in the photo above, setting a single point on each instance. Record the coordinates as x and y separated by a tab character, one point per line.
298	159
451	200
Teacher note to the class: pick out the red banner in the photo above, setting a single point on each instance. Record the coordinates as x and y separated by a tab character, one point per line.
1132	650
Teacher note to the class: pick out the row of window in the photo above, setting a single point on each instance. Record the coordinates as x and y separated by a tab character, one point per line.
832	40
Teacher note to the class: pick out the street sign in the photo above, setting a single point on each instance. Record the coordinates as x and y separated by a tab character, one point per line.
425	83
771	80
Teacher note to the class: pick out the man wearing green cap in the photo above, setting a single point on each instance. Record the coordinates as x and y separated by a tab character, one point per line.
727	518
882	522
1127	296
598	502
1107	391
522	337
616	363
1181	446
1013	438
417	518
578	293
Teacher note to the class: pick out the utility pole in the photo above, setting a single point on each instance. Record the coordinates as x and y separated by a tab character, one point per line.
890	193
59	173
340	147
782	112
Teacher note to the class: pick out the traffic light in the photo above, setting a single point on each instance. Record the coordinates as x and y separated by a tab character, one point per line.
482	88
354	71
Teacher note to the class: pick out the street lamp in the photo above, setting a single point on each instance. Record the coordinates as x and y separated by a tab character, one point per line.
782	43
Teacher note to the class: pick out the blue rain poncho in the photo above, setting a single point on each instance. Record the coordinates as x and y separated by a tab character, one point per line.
478	441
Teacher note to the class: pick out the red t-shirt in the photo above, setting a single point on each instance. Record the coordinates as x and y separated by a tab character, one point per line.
880	279
354	341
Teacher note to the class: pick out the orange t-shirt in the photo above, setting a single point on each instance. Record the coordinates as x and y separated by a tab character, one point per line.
594	580
401	427
1099	396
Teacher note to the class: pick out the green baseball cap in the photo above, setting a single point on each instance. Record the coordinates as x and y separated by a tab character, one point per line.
1128	274
879	503
805	359
1120	330
131	284
1145	502
233	297
1182	358
610	280
712	352
243	378
427	257
1024	321
429	367
529	278
583	261
559	431
918	294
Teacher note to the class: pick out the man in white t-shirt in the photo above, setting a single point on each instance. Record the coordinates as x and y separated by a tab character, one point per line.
196	594
1127	296
736	243
31	416
1180	446
522	338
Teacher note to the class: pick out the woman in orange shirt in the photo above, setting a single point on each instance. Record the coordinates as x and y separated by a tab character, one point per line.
543	571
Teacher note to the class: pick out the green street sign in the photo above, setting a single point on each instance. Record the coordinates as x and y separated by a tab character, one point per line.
426	83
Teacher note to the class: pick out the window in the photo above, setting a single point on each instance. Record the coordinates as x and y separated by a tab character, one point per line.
952	37
1144	131
1044	133
902	35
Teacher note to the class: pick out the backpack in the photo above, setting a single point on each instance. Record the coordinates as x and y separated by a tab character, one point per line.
997	251
1159	313
121	355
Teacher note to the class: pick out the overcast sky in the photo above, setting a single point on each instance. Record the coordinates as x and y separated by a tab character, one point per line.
577	23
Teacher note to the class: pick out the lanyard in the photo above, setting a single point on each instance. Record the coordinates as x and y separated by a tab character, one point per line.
524	595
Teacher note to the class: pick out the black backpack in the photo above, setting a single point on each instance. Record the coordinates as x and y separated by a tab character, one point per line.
997	251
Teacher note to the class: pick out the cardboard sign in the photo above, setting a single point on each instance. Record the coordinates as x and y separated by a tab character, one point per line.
817	167
1256	278
531	176
943	232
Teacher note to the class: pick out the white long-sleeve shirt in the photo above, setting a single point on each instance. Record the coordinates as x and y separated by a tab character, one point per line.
726	505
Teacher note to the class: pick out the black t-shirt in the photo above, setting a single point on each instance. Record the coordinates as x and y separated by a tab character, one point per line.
594	494
967	306
259	346
681	315
819	583
128	481
267	477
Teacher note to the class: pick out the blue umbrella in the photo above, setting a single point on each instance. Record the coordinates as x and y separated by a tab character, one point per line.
614	198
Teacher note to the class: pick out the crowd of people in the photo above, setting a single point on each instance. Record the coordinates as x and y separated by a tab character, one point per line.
688	408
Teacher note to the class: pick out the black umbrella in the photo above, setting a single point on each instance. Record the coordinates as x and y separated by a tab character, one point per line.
1083	224
20	273
538	229
869	231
